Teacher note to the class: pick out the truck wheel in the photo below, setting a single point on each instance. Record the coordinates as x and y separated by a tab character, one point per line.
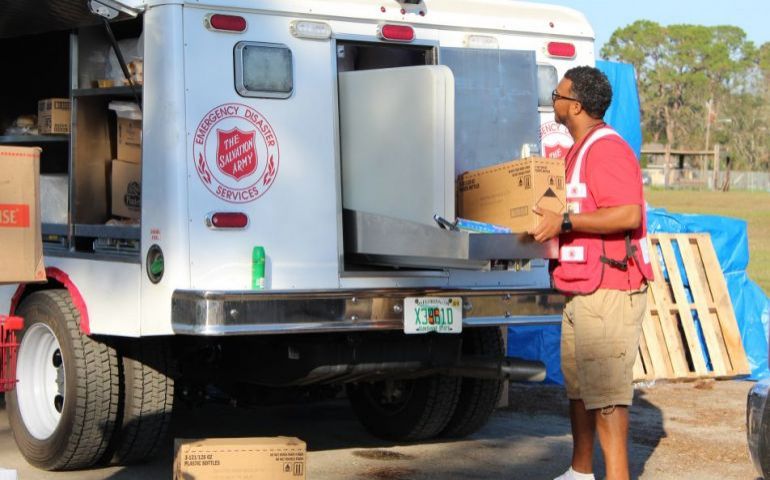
147	397
405	410
478	397
64	407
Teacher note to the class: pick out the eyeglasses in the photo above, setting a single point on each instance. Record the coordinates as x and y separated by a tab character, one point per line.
555	96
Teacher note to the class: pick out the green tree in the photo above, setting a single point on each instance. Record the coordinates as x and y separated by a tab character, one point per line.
743	124
746	133
690	77
644	45
763	59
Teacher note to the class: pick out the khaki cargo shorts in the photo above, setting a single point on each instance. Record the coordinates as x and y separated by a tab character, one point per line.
599	343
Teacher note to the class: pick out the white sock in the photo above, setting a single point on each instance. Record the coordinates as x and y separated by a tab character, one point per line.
581	476
573	475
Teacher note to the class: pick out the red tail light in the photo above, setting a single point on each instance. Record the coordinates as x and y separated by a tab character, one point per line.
227	220
561	49
396	33
227	23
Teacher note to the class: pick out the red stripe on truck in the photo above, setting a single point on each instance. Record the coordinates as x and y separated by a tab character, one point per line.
77	299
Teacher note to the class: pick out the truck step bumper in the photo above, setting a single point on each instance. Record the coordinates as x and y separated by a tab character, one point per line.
199	312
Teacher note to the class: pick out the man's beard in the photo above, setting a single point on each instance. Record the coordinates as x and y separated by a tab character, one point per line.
558	119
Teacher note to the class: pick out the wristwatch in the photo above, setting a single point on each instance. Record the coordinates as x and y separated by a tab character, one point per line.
566	224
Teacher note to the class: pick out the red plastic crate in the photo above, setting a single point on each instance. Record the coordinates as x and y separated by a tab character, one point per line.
8	348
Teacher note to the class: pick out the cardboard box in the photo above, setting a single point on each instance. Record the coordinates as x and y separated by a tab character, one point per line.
504	194
129	140
126	188
21	252
53	116
54	198
279	458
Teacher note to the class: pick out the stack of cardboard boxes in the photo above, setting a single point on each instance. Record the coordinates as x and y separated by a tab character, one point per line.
127	167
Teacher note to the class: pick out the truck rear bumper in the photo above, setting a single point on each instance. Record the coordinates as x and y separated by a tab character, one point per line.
200	312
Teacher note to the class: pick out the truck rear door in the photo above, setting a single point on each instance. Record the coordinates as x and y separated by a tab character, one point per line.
260	126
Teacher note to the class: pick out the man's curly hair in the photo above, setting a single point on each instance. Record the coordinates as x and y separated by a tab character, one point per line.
592	88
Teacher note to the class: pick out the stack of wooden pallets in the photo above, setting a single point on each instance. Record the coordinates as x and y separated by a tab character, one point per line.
690	330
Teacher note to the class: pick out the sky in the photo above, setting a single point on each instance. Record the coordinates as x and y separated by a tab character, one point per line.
606	16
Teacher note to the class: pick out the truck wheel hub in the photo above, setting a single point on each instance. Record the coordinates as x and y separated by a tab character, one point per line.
41	374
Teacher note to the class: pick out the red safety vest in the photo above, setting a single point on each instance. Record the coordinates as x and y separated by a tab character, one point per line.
581	255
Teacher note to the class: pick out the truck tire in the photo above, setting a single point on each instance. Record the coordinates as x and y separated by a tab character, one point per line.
147	398
478	397
405	410
64	407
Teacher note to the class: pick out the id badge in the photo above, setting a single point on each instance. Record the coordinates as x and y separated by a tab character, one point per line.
573	207
575	254
645	250
577	190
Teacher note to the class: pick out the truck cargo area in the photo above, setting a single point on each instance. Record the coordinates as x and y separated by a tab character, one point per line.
76	162
394	184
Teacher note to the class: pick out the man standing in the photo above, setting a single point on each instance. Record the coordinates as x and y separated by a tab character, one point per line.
603	269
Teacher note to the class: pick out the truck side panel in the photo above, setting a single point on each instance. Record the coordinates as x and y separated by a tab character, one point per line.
164	169
109	292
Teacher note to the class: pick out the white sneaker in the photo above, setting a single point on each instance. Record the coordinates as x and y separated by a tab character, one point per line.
573	475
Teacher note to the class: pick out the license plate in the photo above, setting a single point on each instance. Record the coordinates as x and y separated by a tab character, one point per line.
433	314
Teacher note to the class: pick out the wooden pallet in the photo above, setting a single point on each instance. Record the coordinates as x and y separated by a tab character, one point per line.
687	301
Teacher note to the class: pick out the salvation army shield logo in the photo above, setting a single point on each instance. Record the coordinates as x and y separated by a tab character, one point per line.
555	151
555	139
235	153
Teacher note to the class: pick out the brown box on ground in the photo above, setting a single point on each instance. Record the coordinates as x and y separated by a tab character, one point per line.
53	116
126	188
504	194
279	458
21	246
129	140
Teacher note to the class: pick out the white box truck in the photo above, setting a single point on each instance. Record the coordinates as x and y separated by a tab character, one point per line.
293	155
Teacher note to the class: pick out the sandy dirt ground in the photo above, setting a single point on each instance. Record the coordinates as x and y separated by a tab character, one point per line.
678	431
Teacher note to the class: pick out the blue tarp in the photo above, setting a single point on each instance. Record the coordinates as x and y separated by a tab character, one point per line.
750	303
536	342
624	114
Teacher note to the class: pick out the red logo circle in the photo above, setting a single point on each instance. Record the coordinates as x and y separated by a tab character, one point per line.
235	152
555	140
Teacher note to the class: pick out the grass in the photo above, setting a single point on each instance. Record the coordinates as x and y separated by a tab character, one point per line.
753	207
